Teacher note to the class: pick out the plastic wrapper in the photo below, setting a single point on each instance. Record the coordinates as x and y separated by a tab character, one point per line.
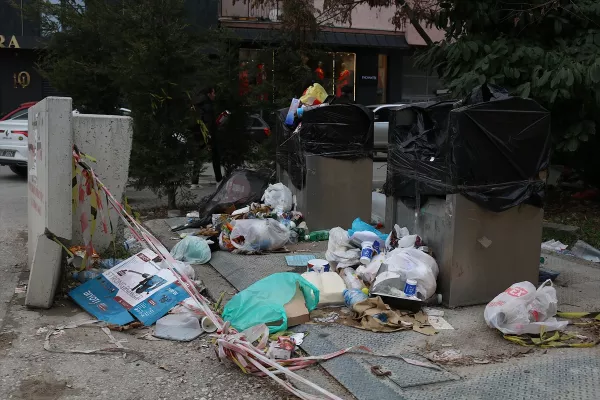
368	272
314	95
403	264
263	302
256	235
522	309
341	131
339	250
278	197
493	149
241	188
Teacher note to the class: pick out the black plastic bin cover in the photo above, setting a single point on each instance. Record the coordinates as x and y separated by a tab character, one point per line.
342	131
493	152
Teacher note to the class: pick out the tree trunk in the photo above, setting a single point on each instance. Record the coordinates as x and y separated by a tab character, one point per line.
417	24
171	198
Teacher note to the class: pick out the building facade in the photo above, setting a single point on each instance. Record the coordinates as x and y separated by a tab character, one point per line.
20	81
370	54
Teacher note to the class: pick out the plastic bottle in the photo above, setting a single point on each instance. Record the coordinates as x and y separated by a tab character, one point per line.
84	276
353	296
303	109
128	243
352	281
317	236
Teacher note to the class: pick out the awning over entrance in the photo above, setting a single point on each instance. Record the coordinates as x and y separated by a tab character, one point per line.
357	39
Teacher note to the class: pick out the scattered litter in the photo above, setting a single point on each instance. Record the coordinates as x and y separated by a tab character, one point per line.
327	319
377	371
554	245
439	323
118	328
149	291
148	336
586	251
299	260
21	289
207	325
41	330
178	327
523	309
298	338
193	214
256	235
547	274
433	312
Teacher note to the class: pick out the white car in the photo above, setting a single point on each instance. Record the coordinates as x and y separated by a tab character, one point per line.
381	124
13	142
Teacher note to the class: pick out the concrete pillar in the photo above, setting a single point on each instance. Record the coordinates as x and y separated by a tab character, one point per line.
107	138
50	145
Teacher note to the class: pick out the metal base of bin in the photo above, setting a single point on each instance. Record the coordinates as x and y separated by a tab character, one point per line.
336	191
480	253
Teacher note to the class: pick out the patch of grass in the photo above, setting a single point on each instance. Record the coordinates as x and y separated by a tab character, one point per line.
115	250
563	209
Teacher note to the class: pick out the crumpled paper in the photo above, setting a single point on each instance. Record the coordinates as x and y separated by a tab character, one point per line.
374	315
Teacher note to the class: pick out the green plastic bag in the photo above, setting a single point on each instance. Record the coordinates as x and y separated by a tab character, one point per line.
262	302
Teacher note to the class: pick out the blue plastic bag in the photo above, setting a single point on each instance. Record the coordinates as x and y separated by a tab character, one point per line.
262	302
359	225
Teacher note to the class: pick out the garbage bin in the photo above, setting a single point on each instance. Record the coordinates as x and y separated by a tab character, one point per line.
326	161
470	181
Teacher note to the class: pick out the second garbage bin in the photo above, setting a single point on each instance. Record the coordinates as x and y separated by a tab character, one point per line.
469	179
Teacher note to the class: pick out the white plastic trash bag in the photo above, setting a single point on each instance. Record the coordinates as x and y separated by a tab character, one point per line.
522	309
279	197
254	235
340	251
403	264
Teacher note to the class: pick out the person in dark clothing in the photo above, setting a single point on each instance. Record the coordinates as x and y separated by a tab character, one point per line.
347	96
204	106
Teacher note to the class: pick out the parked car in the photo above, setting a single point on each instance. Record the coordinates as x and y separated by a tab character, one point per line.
382	117
13	139
256	127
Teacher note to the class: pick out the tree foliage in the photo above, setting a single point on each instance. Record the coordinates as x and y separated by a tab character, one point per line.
143	53
546	50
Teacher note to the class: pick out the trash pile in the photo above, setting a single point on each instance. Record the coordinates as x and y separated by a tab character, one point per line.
244	221
527	316
580	249
367	274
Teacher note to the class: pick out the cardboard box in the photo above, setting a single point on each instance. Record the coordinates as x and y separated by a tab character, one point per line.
296	310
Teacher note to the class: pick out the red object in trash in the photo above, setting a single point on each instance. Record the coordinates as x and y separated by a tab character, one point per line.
588	194
223	117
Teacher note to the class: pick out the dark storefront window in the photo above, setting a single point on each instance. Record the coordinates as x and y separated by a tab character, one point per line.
382	78
256	71
417	85
332	70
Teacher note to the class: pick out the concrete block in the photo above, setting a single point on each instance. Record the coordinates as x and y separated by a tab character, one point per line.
560	227
50	145
108	139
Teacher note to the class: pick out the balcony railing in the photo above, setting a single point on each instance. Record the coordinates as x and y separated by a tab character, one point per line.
245	11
